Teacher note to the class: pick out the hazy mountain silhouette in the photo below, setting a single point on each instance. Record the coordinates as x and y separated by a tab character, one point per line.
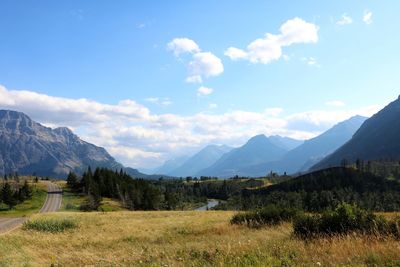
257	150
311	151
203	159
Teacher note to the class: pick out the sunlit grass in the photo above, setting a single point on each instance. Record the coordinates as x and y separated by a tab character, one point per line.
184	239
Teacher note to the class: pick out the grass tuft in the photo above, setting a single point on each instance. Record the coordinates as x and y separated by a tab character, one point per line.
51	225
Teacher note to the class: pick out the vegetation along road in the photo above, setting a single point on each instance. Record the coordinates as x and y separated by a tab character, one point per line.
52	204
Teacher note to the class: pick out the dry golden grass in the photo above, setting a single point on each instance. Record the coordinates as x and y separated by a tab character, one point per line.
184	239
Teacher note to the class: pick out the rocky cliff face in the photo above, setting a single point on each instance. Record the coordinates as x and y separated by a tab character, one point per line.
28	147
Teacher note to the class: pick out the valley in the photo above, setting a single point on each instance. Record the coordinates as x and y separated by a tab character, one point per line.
199	133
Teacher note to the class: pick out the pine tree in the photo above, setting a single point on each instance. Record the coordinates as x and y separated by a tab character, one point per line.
8	196
72	180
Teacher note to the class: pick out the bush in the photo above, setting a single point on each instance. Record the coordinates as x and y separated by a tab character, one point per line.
51	225
343	220
270	215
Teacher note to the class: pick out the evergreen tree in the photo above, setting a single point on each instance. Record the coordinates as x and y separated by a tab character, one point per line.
72	180
8	196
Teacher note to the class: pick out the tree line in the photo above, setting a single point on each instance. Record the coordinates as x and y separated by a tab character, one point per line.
12	192
162	194
323	190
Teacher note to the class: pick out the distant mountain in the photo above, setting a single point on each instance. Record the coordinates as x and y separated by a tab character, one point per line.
257	150
203	159
377	138
28	147
170	165
285	142
311	151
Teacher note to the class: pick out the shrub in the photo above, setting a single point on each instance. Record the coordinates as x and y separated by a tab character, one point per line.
270	215
51	225
345	219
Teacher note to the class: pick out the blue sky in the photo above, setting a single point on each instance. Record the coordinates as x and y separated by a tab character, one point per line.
340	61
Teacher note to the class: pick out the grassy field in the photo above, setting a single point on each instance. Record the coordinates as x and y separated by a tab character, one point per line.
183	239
30	206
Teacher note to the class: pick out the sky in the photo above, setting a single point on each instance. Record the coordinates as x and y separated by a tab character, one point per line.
153	80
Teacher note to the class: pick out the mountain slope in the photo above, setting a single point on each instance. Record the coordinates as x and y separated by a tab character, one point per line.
171	165
285	142
311	151
203	159
377	138
257	150
28	147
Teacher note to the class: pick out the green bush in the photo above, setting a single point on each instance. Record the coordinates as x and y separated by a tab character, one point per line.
270	215
51	225
345	219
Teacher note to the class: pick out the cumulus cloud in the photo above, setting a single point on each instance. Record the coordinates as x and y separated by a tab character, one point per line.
367	18
202	65
183	45
202	91
205	64
269	48
344	20
140	138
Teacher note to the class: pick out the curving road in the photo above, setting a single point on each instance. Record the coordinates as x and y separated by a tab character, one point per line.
52	204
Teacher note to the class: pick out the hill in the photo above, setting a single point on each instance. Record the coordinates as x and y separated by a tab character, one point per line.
326	188
377	138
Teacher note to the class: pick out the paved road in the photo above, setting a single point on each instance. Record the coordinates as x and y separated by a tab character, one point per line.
52	204
54	198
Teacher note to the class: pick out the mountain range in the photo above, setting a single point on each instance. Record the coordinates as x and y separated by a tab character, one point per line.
28	147
257	150
378	138
301	158
203	159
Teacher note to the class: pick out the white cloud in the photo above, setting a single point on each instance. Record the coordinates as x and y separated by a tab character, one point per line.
335	103
202	91
367	18
205	64
311	61
194	79
140	138
269	48
235	53
183	45
344	20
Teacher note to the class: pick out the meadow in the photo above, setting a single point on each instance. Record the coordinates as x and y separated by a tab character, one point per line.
184	238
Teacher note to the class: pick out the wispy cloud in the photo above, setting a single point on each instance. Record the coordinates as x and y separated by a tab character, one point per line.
367	17
159	101
344	20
